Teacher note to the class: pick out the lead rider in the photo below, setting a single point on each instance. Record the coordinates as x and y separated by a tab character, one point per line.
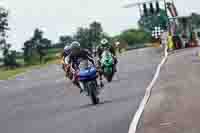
77	54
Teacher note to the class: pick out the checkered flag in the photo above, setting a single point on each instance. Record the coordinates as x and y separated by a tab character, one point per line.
156	32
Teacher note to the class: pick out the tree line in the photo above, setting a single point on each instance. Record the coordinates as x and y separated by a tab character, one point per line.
37	48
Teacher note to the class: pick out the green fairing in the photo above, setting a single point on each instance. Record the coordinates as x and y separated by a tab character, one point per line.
107	62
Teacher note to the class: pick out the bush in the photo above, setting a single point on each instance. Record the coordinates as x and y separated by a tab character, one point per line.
32	59
50	58
10	60
135	37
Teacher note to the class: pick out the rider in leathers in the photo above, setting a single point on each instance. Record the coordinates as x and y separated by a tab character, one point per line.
65	59
105	45
76	55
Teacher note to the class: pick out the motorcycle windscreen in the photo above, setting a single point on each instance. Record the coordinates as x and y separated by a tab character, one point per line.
87	74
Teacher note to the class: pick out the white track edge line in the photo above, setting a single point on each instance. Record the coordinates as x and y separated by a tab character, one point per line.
138	114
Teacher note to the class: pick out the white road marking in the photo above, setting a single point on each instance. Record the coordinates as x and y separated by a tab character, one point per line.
21	78
138	114
5	87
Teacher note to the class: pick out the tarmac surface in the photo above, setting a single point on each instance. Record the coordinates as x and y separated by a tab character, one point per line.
174	103
43	101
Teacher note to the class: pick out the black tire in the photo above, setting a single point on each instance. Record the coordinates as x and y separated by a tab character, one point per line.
109	78
93	94
94	98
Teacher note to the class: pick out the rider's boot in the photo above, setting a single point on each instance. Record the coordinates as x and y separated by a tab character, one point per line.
100	84
115	64
76	83
114	68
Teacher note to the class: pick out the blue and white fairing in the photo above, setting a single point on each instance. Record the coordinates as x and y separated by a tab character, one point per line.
89	73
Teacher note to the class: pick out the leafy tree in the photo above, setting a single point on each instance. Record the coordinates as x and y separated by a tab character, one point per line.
42	48
90	37
30	53
3	26
96	31
40	43
36	48
65	40
135	36
9	59
83	36
6	49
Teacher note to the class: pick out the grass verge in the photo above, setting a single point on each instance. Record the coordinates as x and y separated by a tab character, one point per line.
11	73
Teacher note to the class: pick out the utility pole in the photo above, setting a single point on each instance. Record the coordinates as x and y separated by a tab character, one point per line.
95	40
169	25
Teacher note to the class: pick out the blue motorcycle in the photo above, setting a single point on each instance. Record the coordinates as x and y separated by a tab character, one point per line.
87	77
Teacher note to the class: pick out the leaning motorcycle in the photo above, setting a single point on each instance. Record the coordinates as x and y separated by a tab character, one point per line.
87	78
107	63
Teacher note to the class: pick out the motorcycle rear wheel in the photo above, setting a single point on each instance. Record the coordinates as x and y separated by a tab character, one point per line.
109	78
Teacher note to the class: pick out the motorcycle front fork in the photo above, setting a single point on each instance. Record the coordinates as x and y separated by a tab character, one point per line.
82	87
98	85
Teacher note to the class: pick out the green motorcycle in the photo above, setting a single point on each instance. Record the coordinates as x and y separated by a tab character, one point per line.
107	63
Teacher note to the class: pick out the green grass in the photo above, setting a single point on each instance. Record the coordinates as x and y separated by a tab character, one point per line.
54	50
6	74
11	73
51	58
20	61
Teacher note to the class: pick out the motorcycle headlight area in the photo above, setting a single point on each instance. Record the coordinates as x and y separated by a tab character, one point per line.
83	64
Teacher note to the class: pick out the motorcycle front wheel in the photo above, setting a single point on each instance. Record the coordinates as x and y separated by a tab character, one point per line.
92	90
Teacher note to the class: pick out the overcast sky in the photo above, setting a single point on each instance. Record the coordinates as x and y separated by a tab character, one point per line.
61	17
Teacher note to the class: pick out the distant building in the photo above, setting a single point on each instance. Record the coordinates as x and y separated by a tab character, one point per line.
188	24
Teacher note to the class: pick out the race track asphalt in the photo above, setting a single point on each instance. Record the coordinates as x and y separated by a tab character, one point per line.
43	101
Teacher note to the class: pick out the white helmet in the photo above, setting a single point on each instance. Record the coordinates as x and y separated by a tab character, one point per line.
75	44
104	41
67	47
